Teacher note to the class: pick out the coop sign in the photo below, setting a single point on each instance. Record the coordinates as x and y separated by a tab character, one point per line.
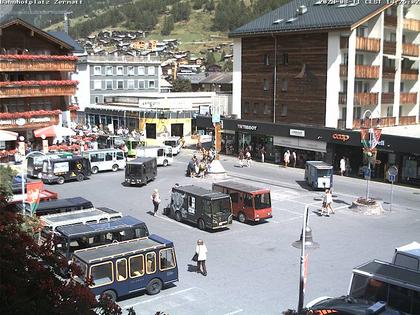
247	127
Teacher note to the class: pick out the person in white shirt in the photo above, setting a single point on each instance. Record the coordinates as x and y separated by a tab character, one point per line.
201	251
156	201
342	166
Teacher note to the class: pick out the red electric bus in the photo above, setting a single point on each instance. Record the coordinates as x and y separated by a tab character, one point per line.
249	203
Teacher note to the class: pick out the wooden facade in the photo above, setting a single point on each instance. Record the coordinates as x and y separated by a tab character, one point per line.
299	64
33	61
411	25
410	50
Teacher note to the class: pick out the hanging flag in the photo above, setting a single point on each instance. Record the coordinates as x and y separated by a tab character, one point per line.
33	190
375	137
364	137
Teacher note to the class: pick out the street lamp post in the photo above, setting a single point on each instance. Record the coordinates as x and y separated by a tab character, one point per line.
370	146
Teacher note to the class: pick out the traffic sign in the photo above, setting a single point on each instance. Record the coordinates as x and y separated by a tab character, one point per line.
391	178
367	173
393	170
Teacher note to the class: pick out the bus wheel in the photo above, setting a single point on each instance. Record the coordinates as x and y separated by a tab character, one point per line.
165	163
95	170
241	217
80	177
60	180
178	216
114	167
154	286
201	224
111	295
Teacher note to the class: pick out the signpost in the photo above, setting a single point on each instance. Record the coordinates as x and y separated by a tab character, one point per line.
392	176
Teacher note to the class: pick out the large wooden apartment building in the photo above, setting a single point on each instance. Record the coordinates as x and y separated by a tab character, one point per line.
35	84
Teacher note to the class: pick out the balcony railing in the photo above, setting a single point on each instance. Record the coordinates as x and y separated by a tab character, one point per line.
34	119
390	48
366	99
37	88
388	73
362	71
366	123
408	98
360	99
407	120
390	20
410	50
13	63
387	98
410	75
411	25
368	44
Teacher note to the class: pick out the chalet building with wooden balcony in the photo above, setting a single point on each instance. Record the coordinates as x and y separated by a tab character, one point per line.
306	73
35	83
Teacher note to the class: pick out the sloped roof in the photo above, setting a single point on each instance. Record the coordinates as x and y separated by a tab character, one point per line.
319	16
218	78
17	21
63	36
195	78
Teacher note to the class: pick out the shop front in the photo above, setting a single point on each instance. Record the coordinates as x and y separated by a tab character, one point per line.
319	143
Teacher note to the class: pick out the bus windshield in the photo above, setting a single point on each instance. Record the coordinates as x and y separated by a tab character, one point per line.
324	172
262	201
83	268
221	205
171	143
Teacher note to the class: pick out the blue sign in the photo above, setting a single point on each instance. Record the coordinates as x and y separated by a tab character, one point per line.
367	173
391	178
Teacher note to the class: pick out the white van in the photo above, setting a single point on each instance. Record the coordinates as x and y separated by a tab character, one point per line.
175	143
163	154
105	160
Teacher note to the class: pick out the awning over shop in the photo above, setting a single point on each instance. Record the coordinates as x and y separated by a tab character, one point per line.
8	135
54	131
301	144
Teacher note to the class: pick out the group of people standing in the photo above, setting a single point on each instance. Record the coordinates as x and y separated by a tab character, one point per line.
289	158
345	168
198	167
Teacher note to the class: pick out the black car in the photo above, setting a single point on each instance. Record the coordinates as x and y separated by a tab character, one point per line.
64	169
140	171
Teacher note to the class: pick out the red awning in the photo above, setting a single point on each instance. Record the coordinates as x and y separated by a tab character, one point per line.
53	131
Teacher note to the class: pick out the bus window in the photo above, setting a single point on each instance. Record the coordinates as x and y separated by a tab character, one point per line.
136	266
122	269
166	259
160	152
140	232
399	298
120	156
150	262
108	156
207	207
221	205
262	201
416	303
97	157
235	197
248	200
102	274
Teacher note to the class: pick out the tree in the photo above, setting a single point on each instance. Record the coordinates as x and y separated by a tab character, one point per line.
181	11
210	60
209	5
30	281
168	26
181	85
6	177
228	66
198	4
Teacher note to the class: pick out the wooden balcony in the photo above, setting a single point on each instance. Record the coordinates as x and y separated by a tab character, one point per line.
24	90
408	98
366	123
411	25
390	48
388	73
390	20
361	72
14	65
407	120
410	75
410	50
33	119
360	99
366	99
387	98
368	44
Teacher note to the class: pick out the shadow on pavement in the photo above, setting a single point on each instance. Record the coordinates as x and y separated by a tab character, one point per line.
303	184
192	268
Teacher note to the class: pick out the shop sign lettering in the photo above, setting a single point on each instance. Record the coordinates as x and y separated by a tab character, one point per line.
23	121
340	137
297	132
247	127
39	119
7	122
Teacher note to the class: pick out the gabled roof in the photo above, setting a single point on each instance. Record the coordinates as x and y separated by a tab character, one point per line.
63	36
218	78
320	15
17	21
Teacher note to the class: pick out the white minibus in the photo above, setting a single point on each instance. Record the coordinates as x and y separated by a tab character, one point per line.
105	160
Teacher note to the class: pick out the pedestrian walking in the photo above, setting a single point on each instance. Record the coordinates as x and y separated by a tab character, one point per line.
294	157
286	158
327	204
342	166
201	251
248	158
156	201
241	158
262	154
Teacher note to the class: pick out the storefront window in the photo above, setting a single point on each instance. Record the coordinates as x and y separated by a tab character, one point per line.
411	168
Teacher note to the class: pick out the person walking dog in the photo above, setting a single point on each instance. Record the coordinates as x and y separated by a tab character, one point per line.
156	201
201	251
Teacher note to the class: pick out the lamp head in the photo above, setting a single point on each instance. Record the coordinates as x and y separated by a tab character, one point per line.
22	138
43	137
